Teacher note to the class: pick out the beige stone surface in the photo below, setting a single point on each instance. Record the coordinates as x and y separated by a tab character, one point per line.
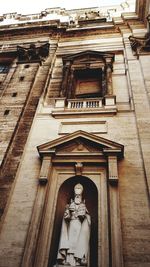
129	125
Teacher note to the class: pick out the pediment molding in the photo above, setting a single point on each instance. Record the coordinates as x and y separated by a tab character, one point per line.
81	142
87	56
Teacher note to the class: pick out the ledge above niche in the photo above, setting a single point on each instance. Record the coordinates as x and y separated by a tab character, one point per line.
97	127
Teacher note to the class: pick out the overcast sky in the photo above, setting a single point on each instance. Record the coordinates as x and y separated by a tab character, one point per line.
35	6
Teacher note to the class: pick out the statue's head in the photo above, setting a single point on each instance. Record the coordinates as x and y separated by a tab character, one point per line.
78	189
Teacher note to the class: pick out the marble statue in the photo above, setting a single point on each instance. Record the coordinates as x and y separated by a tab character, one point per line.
75	233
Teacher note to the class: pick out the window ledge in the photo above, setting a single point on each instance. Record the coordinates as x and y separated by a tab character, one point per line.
84	107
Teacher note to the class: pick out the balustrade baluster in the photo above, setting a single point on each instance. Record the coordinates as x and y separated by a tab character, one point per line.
84	104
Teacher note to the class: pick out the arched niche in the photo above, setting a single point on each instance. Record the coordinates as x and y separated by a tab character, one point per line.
65	194
65	162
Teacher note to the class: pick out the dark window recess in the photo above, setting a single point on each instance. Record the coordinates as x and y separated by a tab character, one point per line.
4	68
26	66
14	94
6	112
88	83
21	78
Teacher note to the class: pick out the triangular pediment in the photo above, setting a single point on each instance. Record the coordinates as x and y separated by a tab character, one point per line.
88	55
81	142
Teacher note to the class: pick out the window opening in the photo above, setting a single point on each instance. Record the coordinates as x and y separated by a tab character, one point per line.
88	83
21	78
14	94
4	68
6	112
26	66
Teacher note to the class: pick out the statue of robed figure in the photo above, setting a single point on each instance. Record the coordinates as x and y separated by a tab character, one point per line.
75	232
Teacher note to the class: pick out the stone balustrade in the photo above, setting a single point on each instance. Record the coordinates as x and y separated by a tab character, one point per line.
102	103
84	103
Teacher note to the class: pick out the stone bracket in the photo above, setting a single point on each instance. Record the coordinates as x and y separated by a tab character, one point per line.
141	45
112	169
78	168
43	178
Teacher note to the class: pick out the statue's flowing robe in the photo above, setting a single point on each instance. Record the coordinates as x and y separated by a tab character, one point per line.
74	238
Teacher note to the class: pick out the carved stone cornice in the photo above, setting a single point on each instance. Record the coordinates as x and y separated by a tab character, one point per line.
59	147
141	45
32	53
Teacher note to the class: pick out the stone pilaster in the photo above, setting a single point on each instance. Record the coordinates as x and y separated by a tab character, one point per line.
66	70
115	224
30	247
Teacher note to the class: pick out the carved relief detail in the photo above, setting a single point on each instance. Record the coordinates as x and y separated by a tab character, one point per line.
141	45
78	168
32	53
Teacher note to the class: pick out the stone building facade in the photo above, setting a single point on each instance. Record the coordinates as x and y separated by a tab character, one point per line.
74	108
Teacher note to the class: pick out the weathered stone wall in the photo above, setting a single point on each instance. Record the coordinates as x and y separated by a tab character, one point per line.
21	83
130	127
16	125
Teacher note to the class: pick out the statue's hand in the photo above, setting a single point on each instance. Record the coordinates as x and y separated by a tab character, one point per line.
67	214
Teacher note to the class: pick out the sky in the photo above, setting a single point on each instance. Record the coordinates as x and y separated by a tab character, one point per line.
36	6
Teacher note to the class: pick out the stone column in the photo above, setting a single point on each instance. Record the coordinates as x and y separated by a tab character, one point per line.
70	93
115	224
65	78
32	237
104	90
109	77
110	99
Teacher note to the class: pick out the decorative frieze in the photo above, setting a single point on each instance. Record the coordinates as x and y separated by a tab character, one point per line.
95	14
